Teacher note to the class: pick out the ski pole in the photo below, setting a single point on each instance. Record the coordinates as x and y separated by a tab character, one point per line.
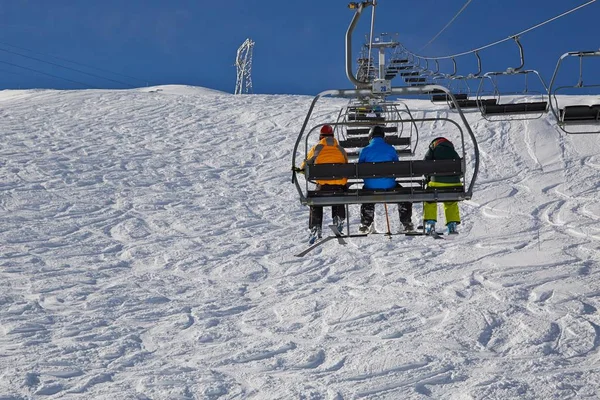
387	219
347	220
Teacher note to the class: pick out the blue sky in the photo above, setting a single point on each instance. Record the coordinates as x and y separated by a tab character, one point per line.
299	45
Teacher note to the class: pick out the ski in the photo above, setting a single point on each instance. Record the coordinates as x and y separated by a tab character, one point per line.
314	246
340	235
435	235
337	235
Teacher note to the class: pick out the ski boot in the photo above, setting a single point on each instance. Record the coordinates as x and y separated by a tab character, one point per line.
452	228
429	227
339	224
364	228
408	227
315	233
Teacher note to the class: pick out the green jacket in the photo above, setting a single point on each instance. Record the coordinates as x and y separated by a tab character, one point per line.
443	151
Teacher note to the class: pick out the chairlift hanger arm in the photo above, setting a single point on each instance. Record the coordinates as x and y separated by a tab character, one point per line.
426	68
359	9
454	67
521	55
478	66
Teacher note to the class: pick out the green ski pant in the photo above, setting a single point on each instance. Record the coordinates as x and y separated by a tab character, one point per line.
451	211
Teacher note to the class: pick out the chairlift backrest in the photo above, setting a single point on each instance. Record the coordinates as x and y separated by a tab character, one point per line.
533	106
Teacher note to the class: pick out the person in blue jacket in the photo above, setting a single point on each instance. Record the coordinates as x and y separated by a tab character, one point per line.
380	151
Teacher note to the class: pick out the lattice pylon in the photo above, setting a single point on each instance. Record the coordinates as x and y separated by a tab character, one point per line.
243	64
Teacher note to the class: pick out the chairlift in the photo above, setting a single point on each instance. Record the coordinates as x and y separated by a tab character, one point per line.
436	76
440	96
465	95
358	117
513	110
576	118
409	173
414	76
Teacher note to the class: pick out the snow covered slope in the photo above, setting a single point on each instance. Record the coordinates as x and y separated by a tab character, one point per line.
146	252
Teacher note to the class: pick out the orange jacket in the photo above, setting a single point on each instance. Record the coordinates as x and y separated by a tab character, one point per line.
327	151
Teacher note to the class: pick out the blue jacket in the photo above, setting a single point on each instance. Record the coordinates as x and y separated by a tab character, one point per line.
378	151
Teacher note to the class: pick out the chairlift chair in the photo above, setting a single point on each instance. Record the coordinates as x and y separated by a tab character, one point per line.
435	76
409	173
513	110
460	94
464	95
358	117
576	118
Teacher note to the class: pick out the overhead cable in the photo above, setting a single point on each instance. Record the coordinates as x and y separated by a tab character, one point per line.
503	40
5	71
448	24
53	76
65	67
75	62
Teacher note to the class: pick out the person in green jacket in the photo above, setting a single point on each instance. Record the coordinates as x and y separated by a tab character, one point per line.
441	148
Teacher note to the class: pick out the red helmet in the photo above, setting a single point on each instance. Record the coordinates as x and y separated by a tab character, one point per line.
438	140
326	130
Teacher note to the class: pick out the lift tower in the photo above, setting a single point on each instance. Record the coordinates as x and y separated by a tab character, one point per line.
243	64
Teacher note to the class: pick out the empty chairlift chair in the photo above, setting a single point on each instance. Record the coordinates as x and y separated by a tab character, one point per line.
438	98
358	120
576	118
530	103
459	85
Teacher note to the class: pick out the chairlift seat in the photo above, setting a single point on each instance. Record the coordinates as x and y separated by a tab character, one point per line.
364	117
514	108
473	103
396	195
353	154
361	108
365	131
414	80
364	141
580	113
446	98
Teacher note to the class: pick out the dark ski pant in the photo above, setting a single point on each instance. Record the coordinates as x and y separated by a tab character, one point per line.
316	212
367	213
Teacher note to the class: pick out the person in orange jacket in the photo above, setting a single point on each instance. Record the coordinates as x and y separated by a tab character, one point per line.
327	151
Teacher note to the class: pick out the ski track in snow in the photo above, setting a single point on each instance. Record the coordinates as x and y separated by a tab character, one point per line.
147	245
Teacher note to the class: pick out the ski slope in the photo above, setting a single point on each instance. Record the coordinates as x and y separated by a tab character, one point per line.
147	243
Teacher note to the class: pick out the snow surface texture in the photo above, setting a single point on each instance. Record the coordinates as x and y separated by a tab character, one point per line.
147	252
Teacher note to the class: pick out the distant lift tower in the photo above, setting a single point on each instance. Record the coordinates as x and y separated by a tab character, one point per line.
243	63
